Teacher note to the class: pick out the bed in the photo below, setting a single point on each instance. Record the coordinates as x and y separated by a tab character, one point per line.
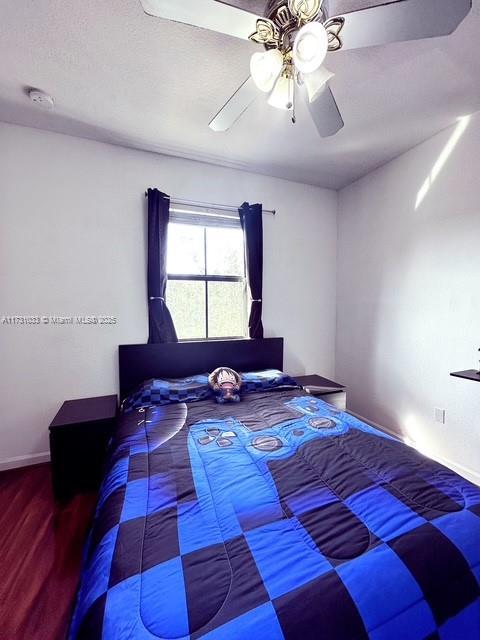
277	517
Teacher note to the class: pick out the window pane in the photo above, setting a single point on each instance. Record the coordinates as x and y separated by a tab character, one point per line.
186	302
185	251
226	309
225	255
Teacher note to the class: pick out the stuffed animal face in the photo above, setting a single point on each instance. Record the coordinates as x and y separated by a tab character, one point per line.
226	384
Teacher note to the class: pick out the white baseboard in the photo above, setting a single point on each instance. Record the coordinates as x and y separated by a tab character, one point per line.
24	461
469	474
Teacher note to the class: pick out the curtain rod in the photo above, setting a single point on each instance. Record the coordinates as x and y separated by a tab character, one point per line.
210	205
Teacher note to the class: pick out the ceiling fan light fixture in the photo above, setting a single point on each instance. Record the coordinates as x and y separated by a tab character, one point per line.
265	68
282	94
310	47
315	82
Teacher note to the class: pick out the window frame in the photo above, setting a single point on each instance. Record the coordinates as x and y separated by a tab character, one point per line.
212	278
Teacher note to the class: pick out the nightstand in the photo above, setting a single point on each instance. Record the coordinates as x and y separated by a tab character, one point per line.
328	390
79	435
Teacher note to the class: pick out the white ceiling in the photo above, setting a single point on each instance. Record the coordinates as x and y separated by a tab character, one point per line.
120	76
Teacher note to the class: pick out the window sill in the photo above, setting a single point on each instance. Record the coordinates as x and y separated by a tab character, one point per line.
214	339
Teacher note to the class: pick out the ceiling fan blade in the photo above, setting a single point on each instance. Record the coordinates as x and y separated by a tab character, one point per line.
236	105
208	14
402	20
325	113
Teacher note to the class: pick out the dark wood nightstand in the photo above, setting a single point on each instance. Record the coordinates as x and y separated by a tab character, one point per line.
79	435
330	391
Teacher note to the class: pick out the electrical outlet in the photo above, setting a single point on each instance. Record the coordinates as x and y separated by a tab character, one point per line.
439	415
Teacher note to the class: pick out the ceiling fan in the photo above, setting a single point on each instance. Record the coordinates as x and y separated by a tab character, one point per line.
296	36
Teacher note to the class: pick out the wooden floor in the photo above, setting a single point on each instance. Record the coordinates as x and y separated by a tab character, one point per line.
40	555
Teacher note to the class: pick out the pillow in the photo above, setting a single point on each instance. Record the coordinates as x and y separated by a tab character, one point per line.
266	380
225	384
158	392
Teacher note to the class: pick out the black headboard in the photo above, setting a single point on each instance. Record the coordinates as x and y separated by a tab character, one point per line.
138	362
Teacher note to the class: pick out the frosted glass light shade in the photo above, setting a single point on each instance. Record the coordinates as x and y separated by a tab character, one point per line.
282	94
310	47
265	68
315	82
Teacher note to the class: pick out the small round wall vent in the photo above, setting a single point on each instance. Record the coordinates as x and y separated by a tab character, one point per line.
41	98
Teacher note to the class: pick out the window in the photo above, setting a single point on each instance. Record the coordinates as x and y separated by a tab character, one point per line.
206	291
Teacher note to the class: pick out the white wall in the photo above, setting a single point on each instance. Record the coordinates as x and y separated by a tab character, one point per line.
409	295
72	242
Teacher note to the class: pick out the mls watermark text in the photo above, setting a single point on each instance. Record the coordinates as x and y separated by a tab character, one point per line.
21	320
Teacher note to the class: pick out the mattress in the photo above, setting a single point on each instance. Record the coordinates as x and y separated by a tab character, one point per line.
276	518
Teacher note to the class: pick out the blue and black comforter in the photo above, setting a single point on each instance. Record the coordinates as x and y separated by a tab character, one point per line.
276	518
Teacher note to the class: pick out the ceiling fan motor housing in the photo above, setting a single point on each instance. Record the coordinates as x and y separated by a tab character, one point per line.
279	13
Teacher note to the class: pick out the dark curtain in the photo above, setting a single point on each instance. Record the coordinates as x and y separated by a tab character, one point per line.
160	323
252	225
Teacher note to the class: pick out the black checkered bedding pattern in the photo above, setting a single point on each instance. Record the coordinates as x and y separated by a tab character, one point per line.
276	518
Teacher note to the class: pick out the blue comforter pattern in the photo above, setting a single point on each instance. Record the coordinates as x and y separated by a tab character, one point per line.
277	518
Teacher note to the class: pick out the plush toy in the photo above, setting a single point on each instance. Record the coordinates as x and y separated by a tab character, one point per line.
226	384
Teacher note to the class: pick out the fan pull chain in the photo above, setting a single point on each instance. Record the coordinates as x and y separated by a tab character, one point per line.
294	102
